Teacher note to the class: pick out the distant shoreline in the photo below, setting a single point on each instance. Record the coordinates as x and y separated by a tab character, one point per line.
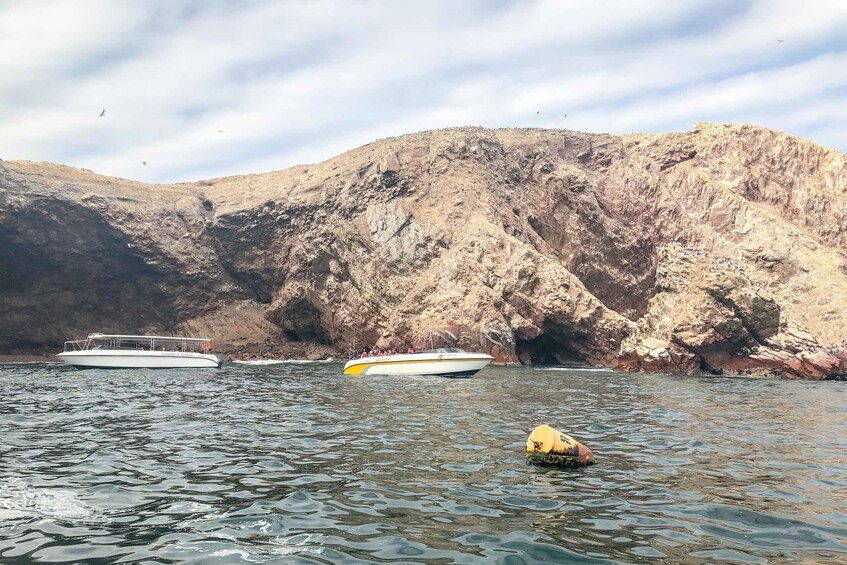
29	359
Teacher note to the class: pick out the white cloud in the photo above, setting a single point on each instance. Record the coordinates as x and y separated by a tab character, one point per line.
289	82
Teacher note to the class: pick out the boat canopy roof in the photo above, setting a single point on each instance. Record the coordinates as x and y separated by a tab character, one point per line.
145	337
443	350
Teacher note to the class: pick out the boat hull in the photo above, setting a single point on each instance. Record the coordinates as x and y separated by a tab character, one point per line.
462	365
108	359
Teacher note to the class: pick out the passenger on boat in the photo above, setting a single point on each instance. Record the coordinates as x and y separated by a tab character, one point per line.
410	351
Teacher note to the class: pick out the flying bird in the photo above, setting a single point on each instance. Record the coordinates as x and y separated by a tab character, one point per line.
566	115
103	112
220	131
143	162
538	112
780	40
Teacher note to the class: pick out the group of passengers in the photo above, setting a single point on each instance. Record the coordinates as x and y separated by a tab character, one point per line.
383	352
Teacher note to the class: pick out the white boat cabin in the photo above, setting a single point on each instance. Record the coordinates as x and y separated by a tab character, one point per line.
98	341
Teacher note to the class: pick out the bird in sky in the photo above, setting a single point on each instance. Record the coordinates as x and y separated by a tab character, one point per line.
566	115
780	40
103	112
143	162
538	112
220	131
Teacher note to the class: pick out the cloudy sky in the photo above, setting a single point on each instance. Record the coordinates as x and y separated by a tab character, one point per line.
212	88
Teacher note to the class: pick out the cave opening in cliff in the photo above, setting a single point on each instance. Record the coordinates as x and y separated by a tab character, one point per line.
300	321
291	335
555	345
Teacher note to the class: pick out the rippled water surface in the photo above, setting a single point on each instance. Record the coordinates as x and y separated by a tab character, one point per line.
297	463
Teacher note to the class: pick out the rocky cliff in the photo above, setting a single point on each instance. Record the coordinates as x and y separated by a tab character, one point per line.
719	249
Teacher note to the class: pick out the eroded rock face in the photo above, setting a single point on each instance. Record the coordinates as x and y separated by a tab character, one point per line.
721	249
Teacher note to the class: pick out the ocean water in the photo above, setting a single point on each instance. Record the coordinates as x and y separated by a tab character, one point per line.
297	463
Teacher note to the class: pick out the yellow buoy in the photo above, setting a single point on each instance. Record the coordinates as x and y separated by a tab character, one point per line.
548	446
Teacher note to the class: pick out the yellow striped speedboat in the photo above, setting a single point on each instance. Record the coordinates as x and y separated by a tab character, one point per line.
448	362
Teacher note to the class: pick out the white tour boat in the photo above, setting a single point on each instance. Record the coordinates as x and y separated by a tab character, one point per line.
140	352
448	362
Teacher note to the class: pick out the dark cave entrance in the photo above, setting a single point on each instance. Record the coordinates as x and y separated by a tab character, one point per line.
300	321
291	335
555	345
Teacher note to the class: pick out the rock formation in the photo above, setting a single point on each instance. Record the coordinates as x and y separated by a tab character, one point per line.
721	249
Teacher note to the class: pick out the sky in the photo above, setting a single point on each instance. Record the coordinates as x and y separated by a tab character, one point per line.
211	88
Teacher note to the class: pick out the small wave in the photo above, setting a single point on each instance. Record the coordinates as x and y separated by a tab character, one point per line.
242	553
31	362
19	500
300	543
281	361
188	507
573	369
210	517
278	547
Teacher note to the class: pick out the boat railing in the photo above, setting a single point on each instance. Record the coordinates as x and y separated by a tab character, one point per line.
89	344
77	345
442	350
188	346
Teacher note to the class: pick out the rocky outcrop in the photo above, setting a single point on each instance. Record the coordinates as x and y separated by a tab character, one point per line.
721	249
